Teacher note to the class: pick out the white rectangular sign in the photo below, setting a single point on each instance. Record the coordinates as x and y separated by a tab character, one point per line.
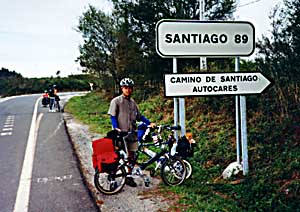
215	84
191	38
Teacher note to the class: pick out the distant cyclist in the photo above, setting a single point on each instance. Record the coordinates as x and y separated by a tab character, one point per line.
57	99
54	99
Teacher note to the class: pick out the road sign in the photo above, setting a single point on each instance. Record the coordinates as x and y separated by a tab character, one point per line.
205	84
192	38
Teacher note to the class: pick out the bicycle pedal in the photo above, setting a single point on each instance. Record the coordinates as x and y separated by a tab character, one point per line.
147	181
137	172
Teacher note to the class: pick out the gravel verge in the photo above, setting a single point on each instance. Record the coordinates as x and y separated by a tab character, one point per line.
129	199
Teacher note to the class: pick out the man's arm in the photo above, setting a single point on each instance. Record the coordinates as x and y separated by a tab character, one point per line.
145	120
112	111
114	122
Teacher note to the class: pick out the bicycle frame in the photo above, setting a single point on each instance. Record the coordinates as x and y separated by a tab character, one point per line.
154	159
137	171
154	156
144	165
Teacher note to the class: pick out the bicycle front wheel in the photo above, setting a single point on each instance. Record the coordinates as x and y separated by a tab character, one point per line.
189	169
173	171
110	183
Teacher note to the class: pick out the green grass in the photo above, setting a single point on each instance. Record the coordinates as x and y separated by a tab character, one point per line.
273	182
91	110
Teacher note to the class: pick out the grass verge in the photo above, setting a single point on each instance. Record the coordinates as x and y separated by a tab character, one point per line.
273	183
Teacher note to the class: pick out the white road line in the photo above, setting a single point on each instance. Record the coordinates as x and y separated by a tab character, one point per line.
5	133
10	118
9	121
7	129
54	178
22	199
7	125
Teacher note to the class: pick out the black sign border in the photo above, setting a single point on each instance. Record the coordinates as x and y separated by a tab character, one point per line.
240	94
200	55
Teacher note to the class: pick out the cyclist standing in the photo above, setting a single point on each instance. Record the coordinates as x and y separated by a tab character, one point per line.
57	99
54	98
124	113
51	93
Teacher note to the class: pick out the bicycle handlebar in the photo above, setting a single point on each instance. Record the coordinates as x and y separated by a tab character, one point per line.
166	127
160	128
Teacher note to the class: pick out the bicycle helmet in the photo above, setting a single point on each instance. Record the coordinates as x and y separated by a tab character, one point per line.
127	82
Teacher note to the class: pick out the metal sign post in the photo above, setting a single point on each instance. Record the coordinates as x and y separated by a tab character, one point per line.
179	108
175	100
244	135
203	64
237	117
241	126
182	116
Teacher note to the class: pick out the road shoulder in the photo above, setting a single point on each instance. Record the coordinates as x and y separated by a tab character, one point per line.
129	199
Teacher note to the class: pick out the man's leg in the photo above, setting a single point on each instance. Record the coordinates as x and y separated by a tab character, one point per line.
51	104
58	106
131	159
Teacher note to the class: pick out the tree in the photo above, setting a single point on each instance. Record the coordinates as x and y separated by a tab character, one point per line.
6	73
280	56
99	36
142	16
108	49
123	43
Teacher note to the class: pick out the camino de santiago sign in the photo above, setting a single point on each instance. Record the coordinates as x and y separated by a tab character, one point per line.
185	38
215	84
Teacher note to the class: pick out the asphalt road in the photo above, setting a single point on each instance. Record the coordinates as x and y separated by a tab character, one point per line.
55	182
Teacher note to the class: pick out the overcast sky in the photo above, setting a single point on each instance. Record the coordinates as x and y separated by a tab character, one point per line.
37	37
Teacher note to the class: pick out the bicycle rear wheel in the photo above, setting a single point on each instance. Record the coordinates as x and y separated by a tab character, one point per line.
173	171
110	183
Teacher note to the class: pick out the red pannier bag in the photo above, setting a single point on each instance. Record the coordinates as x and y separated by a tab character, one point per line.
104	156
